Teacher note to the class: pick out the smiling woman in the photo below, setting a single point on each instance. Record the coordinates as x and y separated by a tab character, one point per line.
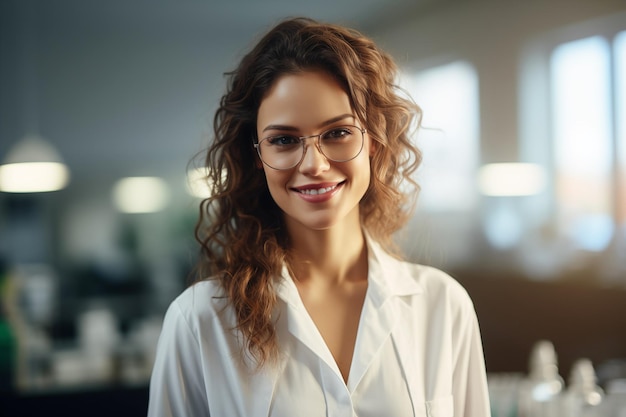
299	303
316	191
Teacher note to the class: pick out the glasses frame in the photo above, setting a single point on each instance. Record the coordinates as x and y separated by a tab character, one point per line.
302	140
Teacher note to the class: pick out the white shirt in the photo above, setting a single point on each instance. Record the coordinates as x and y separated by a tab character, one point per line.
418	353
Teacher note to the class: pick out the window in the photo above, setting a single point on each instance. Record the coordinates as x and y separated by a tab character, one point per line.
449	138
620	117
573	124
583	141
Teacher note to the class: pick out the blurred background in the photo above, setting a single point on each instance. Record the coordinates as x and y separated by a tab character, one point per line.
523	181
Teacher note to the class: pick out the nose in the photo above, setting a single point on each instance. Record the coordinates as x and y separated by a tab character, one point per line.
313	162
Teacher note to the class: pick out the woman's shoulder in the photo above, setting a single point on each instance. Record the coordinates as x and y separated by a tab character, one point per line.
201	301
427	274
410	276
436	283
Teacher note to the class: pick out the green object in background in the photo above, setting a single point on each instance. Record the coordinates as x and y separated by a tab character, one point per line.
7	356
8	341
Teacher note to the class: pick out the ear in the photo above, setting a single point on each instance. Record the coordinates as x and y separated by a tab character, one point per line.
373	145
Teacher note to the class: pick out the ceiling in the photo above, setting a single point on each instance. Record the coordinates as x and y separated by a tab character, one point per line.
129	88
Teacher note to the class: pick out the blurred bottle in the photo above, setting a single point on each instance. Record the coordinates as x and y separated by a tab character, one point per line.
538	395
31	311
613	404
503	393
99	338
583	393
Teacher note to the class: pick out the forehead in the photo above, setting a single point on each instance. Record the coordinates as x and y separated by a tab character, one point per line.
303	100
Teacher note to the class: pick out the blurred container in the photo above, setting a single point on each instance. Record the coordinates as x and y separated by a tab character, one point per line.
539	391
583	393
504	393
614	403
99	338
37	293
68	367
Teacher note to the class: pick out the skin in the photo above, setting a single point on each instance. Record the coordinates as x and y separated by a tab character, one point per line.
328	254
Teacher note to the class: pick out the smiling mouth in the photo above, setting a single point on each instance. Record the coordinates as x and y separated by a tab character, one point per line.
318	191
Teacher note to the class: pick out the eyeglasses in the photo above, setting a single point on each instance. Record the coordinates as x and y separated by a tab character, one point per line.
339	144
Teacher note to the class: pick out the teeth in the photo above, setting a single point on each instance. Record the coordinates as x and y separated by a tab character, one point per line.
316	191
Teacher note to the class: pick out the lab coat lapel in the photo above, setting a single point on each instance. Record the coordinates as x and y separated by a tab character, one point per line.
377	322
300	324
410	353
388	283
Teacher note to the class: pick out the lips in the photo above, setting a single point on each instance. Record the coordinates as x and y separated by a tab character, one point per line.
317	189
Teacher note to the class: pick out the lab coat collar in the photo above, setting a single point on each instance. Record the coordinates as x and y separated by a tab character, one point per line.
389	280
387	277
298	321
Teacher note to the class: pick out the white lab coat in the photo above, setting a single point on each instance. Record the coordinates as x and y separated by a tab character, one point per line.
418	353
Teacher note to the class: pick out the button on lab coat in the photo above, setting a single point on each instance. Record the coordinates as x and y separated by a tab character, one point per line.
418	353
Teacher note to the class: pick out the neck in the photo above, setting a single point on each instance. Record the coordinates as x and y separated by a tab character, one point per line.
336	255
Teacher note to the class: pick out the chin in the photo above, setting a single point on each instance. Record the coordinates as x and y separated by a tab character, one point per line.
319	225
310	223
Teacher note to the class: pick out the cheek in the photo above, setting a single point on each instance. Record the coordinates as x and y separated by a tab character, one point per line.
276	180
370	171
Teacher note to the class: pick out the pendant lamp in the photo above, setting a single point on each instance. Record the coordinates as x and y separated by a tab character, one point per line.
33	165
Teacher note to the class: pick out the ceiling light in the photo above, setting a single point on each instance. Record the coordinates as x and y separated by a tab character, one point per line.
199	184
511	179
140	194
33	166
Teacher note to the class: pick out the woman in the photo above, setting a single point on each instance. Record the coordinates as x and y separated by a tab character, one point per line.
306	313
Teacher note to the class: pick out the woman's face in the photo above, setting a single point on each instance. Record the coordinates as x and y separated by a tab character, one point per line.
317	193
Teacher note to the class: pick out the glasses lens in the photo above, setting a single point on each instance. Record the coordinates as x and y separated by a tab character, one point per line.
281	152
339	144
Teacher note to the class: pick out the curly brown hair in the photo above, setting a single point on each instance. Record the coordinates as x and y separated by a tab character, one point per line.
243	242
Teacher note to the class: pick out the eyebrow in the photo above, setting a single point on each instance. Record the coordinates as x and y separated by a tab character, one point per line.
294	129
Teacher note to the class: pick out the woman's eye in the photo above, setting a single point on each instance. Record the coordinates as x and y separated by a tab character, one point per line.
338	133
283	140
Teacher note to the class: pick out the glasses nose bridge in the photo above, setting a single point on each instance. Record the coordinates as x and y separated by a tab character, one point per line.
304	139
